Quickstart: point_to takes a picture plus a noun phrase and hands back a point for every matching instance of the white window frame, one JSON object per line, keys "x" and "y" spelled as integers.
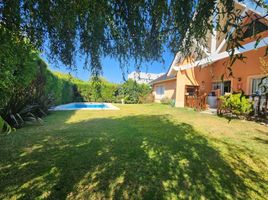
{"x": 251, "y": 82}
{"x": 221, "y": 84}
{"x": 162, "y": 91}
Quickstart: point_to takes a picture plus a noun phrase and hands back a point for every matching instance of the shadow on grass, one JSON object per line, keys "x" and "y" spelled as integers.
{"x": 248, "y": 165}
{"x": 261, "y": 140}
{"x": 134, "y": 157}
{"x": 262, "y": 132}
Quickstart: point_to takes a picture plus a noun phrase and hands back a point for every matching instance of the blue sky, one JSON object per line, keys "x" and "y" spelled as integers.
{"x": 111, "y": 67}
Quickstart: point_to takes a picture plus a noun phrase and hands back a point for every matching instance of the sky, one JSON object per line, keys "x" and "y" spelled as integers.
{"x": 111, "y": 67}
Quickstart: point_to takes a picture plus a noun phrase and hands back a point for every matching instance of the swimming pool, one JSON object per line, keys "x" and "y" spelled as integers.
{"x": 86, "y": 106}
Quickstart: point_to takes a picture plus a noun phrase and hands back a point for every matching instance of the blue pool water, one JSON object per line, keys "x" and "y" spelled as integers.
{"x": 83, "y": 105}
{"x": 86, "y": 106}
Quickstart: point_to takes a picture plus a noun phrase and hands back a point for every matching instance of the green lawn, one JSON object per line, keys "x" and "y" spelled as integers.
{"x": 138, "y": 152}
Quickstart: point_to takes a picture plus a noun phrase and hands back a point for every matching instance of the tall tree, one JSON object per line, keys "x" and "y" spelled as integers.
{"x": 123, "y": 29}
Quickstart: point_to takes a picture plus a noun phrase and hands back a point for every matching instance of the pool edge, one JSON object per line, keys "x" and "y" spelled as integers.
{"x": 110, "y": 106}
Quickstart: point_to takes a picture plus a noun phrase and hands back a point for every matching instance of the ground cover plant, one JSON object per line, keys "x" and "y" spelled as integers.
{"x": 236, "y": 104}
{"x": 139, "y": 152}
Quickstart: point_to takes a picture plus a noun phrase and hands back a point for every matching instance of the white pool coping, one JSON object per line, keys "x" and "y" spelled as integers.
{"x": 61, "y": 107}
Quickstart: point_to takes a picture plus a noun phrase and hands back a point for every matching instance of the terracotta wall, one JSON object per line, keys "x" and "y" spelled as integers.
{"x": 185, "y": 77}
{"x": 204, "y": 77}
{"x": 170, "y": 89}
{"x": 244, "y": 70}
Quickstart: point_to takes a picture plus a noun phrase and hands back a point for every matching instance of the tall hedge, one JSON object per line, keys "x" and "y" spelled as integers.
{"x": 28, "y": 88}
{"x": 60, "y": 87}
{"x": 18, "y": 65}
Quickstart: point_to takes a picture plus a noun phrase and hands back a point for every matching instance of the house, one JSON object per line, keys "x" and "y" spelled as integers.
{"x": 164, "y": 87}
{"x": 142, "y": 77}
{"x": 211, "y": 75}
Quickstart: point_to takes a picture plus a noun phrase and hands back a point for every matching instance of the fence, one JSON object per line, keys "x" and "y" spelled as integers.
{"x": 196, "y": 102}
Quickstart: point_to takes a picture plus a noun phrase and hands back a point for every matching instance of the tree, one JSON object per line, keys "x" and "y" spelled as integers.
{"x": 123, "y": 29}
{"x": 131, "y": 91}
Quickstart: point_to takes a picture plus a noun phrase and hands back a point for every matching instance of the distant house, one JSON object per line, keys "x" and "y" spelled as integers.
{"x": 142, "y": 77}
{"x": 188, "y": 78}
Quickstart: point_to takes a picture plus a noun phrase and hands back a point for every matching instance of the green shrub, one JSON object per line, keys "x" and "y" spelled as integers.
{"x": 131, "y": 91}
{"x": 237, "y": 104}
{"x": 18, "y": 66}
{"x": 60, "y": 87}
{"x": 109, "y": 92}
{"x": 4, "y": 126}
{"x": 166, "y": 100}
{"x": 82, "y": 91}
{"x": 28, "y": 88}
{"x": 26, "y": 100}
{"x": 148, "y": 98}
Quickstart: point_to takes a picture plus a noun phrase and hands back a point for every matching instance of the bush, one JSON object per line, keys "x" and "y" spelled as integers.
{"x": 28, "y": 88}
{"x": 4, "y": 126}
{"x": 109, "y": 92}
{"x": 167, "y": 101}
{"x": 27, "y": 100}
{"x": 149, "y": 98}
{"x": 237, "y": 104}
{"x": 131, "y": 91}
{"x": 82, "y": 91}
{"x": 18, "y": 65}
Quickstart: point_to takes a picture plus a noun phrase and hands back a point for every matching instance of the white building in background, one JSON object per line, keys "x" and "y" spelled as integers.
{"x": 142, "y": 77}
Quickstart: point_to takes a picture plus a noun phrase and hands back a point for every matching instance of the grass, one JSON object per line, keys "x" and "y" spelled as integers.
{"x": 139, "y": 152}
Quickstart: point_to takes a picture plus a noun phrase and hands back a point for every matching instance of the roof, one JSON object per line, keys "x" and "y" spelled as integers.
{"x": 216, "y": 43}
{"x": 174, "y": 62}
{"x": 162, "y": 78}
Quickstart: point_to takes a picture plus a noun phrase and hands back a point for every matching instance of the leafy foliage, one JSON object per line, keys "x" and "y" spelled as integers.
{"x": 22, "y": 81}
{"x": 132, "y": 92}
{"x": 26, "y": 101}
{"x": 109, "y": 91}
{"x": 237, "y": 104}
{"x": 148, "y": 98}
{"x": 59, "y": 86}
{"x": 4, "y": 126}
{"x": 41, "y": 89}
{"x": 17, "y": 66}
{"x": 23, "y": 98}
{"x": 28, "y": 88}
{"x": 168, "y": 101}
{"x": 121, "y": 29}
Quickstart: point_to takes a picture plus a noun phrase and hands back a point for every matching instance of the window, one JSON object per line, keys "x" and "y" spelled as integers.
{"x": 191, "y": 90}
{"x": 216, "y": 86}
{"x": 259, "y": 85}
{"x": 225, "y": 87}
{"x": 160, "y": 90}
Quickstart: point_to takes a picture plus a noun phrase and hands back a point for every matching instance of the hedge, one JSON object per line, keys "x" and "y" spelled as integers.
{"x": 29, "y": 88}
